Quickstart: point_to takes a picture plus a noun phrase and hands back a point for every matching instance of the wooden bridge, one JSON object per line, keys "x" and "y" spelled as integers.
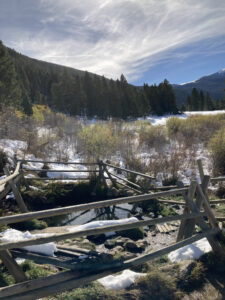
{"x": 197, "y": 211}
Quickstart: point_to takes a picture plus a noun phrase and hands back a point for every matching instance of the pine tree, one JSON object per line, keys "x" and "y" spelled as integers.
{"x": 10, "y": 91}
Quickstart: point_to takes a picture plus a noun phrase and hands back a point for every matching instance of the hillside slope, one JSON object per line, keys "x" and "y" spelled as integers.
{"x": 214, "y": 84}
{"x": 76, "y": 92}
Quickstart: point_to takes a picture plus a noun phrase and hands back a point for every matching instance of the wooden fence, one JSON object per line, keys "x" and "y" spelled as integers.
{"x": 197, "y": 211}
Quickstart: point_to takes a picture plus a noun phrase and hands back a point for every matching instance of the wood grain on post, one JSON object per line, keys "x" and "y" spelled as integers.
{"x": 215, "y": 244}
{"x": 207, "y": 207}
{"x": 16, "y": 192}
{"x": 12, "y": 176}
{"x": 7, "y": 187}
{"x": 110, "y": 177}
{"x": 12, "y": 266}
{"x": 200, "y": 168}
{"x": 191, "y": 223}
{"x": 126, "y": 180}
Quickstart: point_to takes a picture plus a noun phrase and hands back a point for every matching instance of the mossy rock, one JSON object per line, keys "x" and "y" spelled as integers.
{"x": 63, "y": 194}
{"x": 134, "y": 234}
{"x": 30, "y": 225}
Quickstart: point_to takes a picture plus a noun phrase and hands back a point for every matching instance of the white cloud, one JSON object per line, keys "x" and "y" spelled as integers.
{"x": 111, "y": 37}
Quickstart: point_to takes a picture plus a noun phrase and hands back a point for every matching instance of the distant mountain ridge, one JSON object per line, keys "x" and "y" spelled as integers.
{"x": 213, "y": 83}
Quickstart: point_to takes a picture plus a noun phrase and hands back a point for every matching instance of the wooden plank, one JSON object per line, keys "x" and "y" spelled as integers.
{"x": 53, "y": 179}
{"x": 2, "y": 187}
{"x": 129, "y": 171}
{"x": 16, "y": 192}
{"x": 64, "y": 171}
{"x": 37, "y": 283}
{"x": 221, "y": 219}
{"x": 167, "y": 227}
{"x": 217, "y": 179}
{"x": 207, "y": 207}
{"x": 57, "y": 162}
{"x": 12, "y": 266}
{"x": 160, "y": 229}
{"x": 41, "y": 259}
{"x": 181, "y": 230}
{"x": 191, "y": 223}
{"x": 87, "y": 206}
{"x": 110, "y": 177}
{"x": 129, "y": 187}
{"x": 125, "y": 180}
{"x": 200, "y": 168}
{"x": 77, "y": 249}
{"x": 7, "y": 188}
{"x": 12, "y": 176}
{"x": 216, "y": 246}
{"x": 72, "y": 283}
{"x": 93, "y": 231}
{"x": 171, "y": 202}
{"x": 102, "y": 176}
{"x": 219, "y": 201}
{"x": 164, "y": 188}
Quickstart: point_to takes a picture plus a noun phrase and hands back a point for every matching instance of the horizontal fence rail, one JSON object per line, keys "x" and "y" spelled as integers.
{"x": 59, "y": 178}
{"x": 12, "y": 176}
{"x": 55, "y": 171}
{"x": 87, "y": 206}
{"x": 68, "y": 280}
{"x": 128, "y": 171}
{"x": 94, "y": 231}
{"x": 57, "y": 162}
{"x": 218, "y": 179}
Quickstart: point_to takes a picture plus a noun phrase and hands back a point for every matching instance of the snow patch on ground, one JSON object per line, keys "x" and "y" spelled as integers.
{"x": 13, "y": 147}
{"x": 13, "y": 235}
{"x": 121, "y": 281}
{"x": 67, "y": 174}
{"x": 161, "y": 120}
{"x": 97, "y": 224}
{"x": 192, "y": 251}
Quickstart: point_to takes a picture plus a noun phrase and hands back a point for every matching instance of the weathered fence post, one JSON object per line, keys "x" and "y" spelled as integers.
{"x": 184, "y": 230}
{"x": 101, "y": 174}
{"x": 12, "y": 266}
{"x": 109, "y": 175}
{"x": 200, "y": 168}
{"x": 16, "y": 192}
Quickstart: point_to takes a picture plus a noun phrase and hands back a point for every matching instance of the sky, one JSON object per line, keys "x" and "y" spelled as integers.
{"x": 146, "y": 40}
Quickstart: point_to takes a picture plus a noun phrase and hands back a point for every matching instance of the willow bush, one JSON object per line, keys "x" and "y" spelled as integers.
{"x": 217, "y": 148}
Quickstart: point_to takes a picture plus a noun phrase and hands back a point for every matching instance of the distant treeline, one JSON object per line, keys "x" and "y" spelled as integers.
{"x": 25, "y": 81}
{"x": 198, "y": 101}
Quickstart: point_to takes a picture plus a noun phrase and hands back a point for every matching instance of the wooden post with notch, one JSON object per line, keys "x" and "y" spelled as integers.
{"x": 110, "y": 177}
{"x": 12, "y": 266}
{"x": 16, "y": 192}
{"x": 22, "y": 173}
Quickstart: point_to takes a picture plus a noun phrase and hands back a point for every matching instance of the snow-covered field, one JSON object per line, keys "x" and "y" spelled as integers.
{"x": 161, "y": 120}
{"x": 19, "y": 148}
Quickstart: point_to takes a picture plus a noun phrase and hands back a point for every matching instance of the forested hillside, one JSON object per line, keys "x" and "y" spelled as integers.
{"x": 25, "y": 81}
{"x": 213, "y": 84}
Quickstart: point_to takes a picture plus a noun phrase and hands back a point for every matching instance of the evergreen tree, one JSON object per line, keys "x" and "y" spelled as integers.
{"x": 10, "y": 91}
